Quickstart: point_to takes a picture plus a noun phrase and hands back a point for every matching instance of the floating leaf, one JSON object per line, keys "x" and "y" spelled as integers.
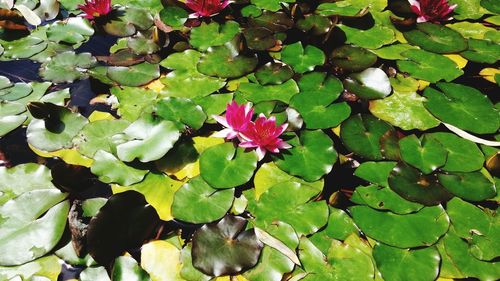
{"x": 174, "y": 16}
{"x": 257, "y": 93}
{"x": 371, "y": 83}
{"x": 225, "y": 62}
{"x": 427, "y": 155}
{"x": 72, "y": 31}
{"x": 482, "y": 51}
{"x": 181, "y": 111}
{"x": 213, "y": 255}
{"x": 67, "y": 67}
{"x": 470, "y": 186}
{"x": 126, "y": 268}
{"x": 234, "y": 161}
{"x": 213, "y": 34}
{"x": 302, "y": 59}
{"x": 133, "y": 76}
{"x": 383, "y": 198}
{"x": 111, "y": 170}
{"x": 161, "y": 260}
{"x": 212, "y": 203}
{"x": 436, "y": 38}
{"x": 429, "y": 66}
{"x": 290, "y": 202}
{"x": 372, "y": 38}
{"x": 402, "y": 231}
{"x": 310, "y": 158}
{"x": 352, "y": 58}
{"x": 273, "y": 74}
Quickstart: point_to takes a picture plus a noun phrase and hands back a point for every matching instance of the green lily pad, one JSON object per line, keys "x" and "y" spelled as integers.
{"x": 259, "y": 38}
{"x": 316, "y": 24}
{"x": 271, "y": 5}
{"x": 310, "y": 158}
{"x": 393, "y": 52}
{"x": 213, "y": 34}
{"x": 225, "y": 247}
{"x": 375, "y": 172}
{"x": 273, "y": 74}
{"x": 371, "y": 83}
{"x": 97, "y": 136}
{"x": 46, "y": 268}
{"x": 94, "y": 273}
{"x": 478, "y": 227}
{"x": 148, "y": 139}
{"x": 257, "y": 93}
{"x": 214, "y": 105}
{"x": 361, "y": 134}
{"x": 383, "y": 198}
{"x": 17, "y": 91}
{"x": 414, "y": 186}
{"x": 490, "y": 5}
{"x": 23, "y": 48}
{"x": 135, "y": 75}
{"x": 463, "y": 155}
{"x": 352, "y": 58}
{"x": 126, "y": 268}
{"x": 403, "y": 264}
{"x": 186, "y": 73}
{"x": 340, "y": 226}
{"x": 174, "y": 16}
{"x": 273, "y": 264}
{"x": 188, "y": 271}
{"x": 302, "y": 59}
{"x": 464, "y": 107}
{"x": 470, "y": 186}
{"x": 181, "y": 111}
{"x": 404, "y": 109}
{"x": 141, "y": 45}
{"x": 224, "y": 62}
{"x": 292, "y": 203}
{"x": 460, "y": 260}
{"x": 429, "y": 66}
{"x": 425, "y": 154}
{"x": 436, "y": 38}
{"x": 482, "y": 51}
{"x": 372, "y": 38}
{"x": 274, "y": 21}
{"x": 345, "y": 8}
{"x": 467, "y": 9}
{"x": 123, "y": 223}
{"x": 133, "y": 101}
{"x": 221, "y": 160}
{"x": 111, "y": 170}
{"x": 402, "y": 231}
{"x": 56, "y": 130}
{"x": 67, "y": 67}
{"x": 126, "y": 21}
{"x": 212, "y": 203}
{"x": 72, "y": 31}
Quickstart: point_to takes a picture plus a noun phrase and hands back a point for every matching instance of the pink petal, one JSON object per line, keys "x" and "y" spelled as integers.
{"x": 261, "y": 152}
{"x": 284, "y": 145}
{"x": 221, "y": 120}
{"x": 248, "y": 144}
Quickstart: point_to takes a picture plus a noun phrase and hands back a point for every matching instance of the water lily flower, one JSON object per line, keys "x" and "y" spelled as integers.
{"x": 432, "y": 10}
{"x": 206, "y": 8}
{"x": 238, "y": 118}
{"x": 95, "y": 8}
{"x": 264, "y": 136}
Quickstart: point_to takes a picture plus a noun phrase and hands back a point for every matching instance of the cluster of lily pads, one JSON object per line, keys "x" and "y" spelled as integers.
{"x": 387, "y": 169}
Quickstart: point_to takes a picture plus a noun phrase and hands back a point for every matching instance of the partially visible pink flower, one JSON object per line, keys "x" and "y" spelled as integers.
{"x": 432, "y": 10}
{"x": 264, "y": 136}
{"x": 238, "y": 118}
{"x": 95, "y": 8}
{"x": 206, "y": 8}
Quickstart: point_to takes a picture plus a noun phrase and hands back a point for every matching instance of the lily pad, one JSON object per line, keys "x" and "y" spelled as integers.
{"x": 345, "y": 8}
{"x": 472, "y": 186}
{"x": 414, "y": 186}
{"x": 125, "y": 21}
{"x": 292, "y": 203}
{"x": 186, "y": 73}
{"x": 352, "y": 58}
{"x": 173, "y": 16}
{"x": 310, "y": 158}
{"x": 259, "y": 38}
{"x": 72, "y": 31}
{"x": 436, "y": 38}
{"x": 212, "y": 203}
{"x": 427, "y": 155}
{"x": 403, "y": 264}
{"x": 67, "y": 67}
{"x": 111, "y": 170}
{"x": 181, "y": 111}
{"x": 221, "y": 160}
{"x": 429, "y": 66}
{"x": 271, "y": 5}
{"x": 273, "y": 74}
{"x": 402, "y": 231}
{"x": 213, "y": 34}
{"x": 97, "y": 136}
{"x": 56, "y": 127}
{"x": 126, "y": 268}
{"x": 464, "y": 107}
{"x": 133, "y": 76}
{"x": 257, "y": 93}
{"x": 302, "y": 59}
{"x": 482, "y": 51}
{"x": 224, "y": 247}
{"x": 383, "y": 198}
{"x": 371, "y": 83}
{"x": 224, "y": 62}
{"x": 361, "y": 134}
{"x": 375, "y": 172}
{"x": 148, "y": 139}
{"x": 372, "y": 38}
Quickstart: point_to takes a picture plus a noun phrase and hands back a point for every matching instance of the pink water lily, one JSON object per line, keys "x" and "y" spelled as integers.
{"x": 95, "y": 8}
{"x": 238, "y": 118}
{"x": 432, "y": 10}
{"x": 264, "y": 136}
{"x": 206, "y": 8}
